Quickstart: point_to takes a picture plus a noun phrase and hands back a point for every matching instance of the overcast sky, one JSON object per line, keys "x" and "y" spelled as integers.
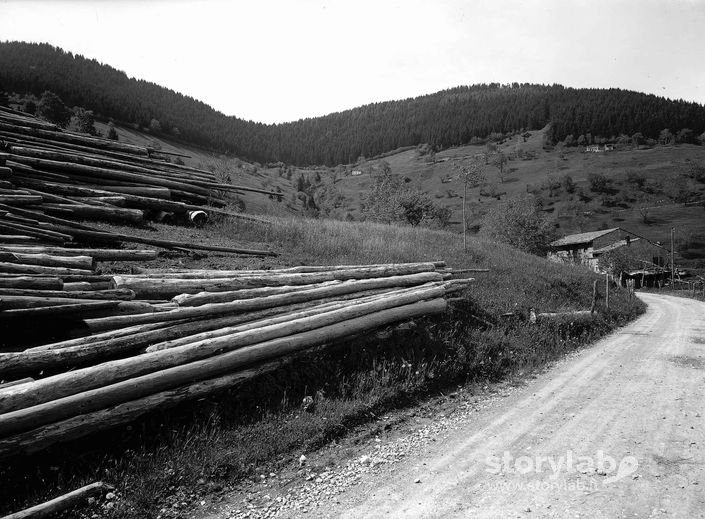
{"x": 281, "y": 60}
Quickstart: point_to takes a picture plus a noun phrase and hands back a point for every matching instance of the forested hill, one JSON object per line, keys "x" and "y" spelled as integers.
{"x": 446, "y": 118}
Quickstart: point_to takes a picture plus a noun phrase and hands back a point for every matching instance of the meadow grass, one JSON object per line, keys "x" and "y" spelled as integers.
{"x": 173, "y": 457}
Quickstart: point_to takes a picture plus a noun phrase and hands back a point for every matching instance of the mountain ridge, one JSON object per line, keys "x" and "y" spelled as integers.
{"x": 450, "y": 117}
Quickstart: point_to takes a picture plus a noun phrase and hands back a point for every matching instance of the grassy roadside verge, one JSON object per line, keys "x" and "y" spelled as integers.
{"x": 172, "y": 458}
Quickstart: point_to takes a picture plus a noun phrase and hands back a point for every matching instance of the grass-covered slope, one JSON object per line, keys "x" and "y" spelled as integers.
{"x": 179, "y": 455}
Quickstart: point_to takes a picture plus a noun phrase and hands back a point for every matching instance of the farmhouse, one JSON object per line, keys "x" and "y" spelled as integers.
{"x": 588, "y": 247}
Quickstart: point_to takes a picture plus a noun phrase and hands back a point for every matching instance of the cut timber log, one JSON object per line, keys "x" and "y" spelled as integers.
{"x": 117, "y": 343}
{"x": 68, "y": 168}
{"x": 304, "y": 269}
{"x": 577, "y": 314}
{"x": 73, "y": 309}
{"x": 25, "y": 419}
{"x": 165, "y": 288}
{"x": 110, "y": 214}
{"x": 93, "y": 142}
{"x": 82, "y": 425}
{"x": 335, "y": 287}
{"x": 17, "y": 239}
{"x": 131, "y": 200}
{"x": 46, "y": 260}
{"x": 65, "y": 384}
{"x": 122, "y": 294}
{"x": 244, "y": 305}
{"x": 21, "y": 268}
{"x": 117, "y": 237}
{"x": 96, "y": 254}
{"x": 29, "y": 282}
{"x": 20, "y": 199}
{"x": 61, "y": 503}
{"x": 36, "y": 232}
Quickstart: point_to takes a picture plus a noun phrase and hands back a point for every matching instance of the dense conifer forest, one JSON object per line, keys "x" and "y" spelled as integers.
{"x": 450, "y": 117}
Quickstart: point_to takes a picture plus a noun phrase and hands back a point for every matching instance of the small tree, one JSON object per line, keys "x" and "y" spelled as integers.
{"x": 155, "y": 126}
{"x": 52, "y": 108}
{"x": 499, "y": 160}
{"x": 599, "y": 183}
{"x": 83, "y": 121}
{"x": 665, "y": 137}
{"x": 112, "y": 132}
{"x": 472, "y": 174}
{"x": 519, "y": 223}
{"x": 568, "y": 183}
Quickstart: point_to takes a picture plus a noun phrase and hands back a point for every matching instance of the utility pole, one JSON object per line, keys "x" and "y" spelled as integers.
{"x": 673, "y": 268}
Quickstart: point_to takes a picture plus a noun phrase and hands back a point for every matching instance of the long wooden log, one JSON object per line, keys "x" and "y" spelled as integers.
{"x": 52, "y": 198}
{"x": 12, "y": 302}
{"x": 104, "y": 162}
{"x": 215, "y": 309}
{"x": 202, "y": 298}
{"x": 167, "y": 244}
{"x": 93, "y": 142}
{"x": 17, "y": 239}
{"x": 147, "y": 192}
{"x": 74, "y": 309}
{"x": 39, "y": 142}
{"x": 82, "y": 425}
{"x": 202, "y": 346}
{"x": 78, "y": 286}
{"x": 166, "y": 288}
{"x": 46, "y": 260}
{"x": 30, "y": 282}
{"x": 16, "y": 382}
{"x": 20, "y": 199}
{"x": 95, "y": 212}
{"x": 116, "y": 343}
{"x": 107, "y": 339}
{"x": 61, "y": 503}
{"x": 44, "y": 221}
{"x": 25, "y": 419}
{"x": 122, "y": 294}
{"x": 303, "y": 269}
{"x": 337, "y": 288}
{"x": 69, "y": 168}
{"x": 20, "y": 268}
{"x": 251, "y": 320}
{"x": 117, "y": 201}
{"x": 130, "y": 199}
{"x": 96, "y": 254}
{"x": 36, "y": 232}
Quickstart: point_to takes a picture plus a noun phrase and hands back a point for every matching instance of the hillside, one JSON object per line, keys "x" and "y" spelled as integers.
{"x": 448, "y": 118}
{"x": 650, "y": 188}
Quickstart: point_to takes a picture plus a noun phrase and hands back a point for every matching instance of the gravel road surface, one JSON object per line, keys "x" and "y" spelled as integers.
{"x": 616, "y": 430}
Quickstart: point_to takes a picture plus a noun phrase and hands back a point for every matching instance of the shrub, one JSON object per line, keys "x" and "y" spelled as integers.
{"x": 599, "y": 183}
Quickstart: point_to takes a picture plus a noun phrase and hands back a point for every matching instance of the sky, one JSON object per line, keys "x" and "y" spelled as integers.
{"x": 282, "y": 60}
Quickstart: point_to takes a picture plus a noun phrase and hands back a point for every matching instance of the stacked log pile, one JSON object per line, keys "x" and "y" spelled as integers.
{"x": 50, "y": 178}
{"x": 188, "y": 333}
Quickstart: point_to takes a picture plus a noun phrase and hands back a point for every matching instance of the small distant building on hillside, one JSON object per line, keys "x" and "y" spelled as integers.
{"x": 596, "y": 148}
{"x": 356, "y": 172}
{"x": 586, "y": 249}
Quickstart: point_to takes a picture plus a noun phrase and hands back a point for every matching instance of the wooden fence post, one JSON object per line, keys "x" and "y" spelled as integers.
{"x": 594, "y": 297}
{"x": 607, "y": 291}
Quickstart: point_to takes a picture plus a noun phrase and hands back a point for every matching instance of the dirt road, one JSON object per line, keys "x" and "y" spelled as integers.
{"x": 617, "y": 430}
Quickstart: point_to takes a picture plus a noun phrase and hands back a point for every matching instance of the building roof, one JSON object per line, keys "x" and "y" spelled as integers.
{"x": 613, "y": 246}
{"x": 583, "y": 237}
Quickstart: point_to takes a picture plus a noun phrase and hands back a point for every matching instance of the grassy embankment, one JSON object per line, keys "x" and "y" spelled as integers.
{"x": 161, "y": 459}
